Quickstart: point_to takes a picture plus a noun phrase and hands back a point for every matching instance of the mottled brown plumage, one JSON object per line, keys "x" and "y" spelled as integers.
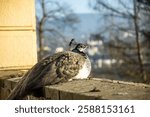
{"x": 52, "y": 70}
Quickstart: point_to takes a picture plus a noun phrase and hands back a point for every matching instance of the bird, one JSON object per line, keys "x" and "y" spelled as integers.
{"x": 58, "y": 68}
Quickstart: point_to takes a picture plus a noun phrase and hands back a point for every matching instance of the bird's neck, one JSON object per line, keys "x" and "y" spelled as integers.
{"x": 79, "y": 52}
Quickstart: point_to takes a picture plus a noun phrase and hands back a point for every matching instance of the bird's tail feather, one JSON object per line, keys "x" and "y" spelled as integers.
{"x": 16, "y": 93}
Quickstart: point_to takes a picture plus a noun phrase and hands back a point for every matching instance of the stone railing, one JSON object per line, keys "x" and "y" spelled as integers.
{"x": 93, "y": 89}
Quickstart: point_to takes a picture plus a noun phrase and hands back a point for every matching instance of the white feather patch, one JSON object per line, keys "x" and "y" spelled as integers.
{"x": 85, "y": 71}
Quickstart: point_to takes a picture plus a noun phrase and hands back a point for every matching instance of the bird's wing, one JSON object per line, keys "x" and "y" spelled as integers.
{"x": 58, "y": 68}
{"x": 64, "y": 67}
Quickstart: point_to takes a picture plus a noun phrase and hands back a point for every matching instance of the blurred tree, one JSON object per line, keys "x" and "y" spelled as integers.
{"x": 124, "y": 21}
{"x": 144, "y": 7}
{"x": 52, "y": 19}
{"x": 145, "y": 2}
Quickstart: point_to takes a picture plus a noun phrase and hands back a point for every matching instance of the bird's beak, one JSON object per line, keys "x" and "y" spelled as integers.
{"x": 87, "y": 46}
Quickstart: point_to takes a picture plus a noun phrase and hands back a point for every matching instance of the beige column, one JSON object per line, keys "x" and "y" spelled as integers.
{"x": 17, "y": 34}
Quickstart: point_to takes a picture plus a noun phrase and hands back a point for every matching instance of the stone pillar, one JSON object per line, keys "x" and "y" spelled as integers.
{"x": 17, "y": 34}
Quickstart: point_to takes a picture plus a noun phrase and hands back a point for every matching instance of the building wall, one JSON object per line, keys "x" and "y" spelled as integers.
{"x": 17, "y": 34}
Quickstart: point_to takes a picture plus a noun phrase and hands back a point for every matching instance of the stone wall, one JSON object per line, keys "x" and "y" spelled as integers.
{"x": 93, "y": 89}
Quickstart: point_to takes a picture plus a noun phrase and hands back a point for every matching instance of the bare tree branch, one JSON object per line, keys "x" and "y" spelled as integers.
{"x": 131, "y": 21}
{"x": 53, "y": 19}
{"x": 109, "y": 7}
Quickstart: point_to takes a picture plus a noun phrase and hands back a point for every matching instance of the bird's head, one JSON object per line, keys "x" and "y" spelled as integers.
{"x": 78, "y": 47}
{"x": 81, "y": 47}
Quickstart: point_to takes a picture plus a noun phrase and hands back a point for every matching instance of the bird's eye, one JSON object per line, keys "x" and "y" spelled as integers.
{"x": 83, "y": 46}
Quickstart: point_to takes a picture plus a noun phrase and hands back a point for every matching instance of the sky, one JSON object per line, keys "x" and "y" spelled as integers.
{"x": 79, "y": 6}
{"x": 82, "y": 6}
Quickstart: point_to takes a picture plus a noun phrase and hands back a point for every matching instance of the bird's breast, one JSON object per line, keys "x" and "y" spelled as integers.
{"x": 84, "y": 72}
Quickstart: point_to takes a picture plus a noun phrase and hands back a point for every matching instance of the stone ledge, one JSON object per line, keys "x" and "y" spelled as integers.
{"x": 92, "y": 89}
